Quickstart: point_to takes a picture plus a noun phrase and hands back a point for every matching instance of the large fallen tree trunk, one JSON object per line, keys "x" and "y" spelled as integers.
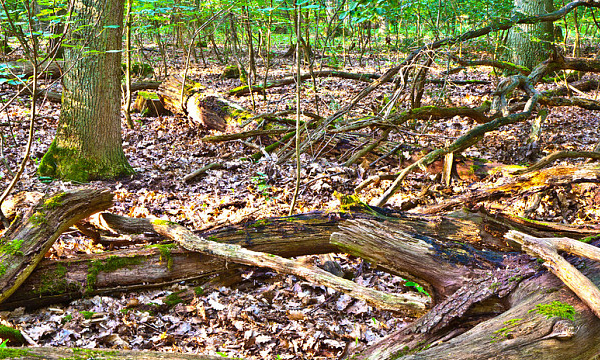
{"x": 497, "y": 303}
{"x": 55, "y": 281}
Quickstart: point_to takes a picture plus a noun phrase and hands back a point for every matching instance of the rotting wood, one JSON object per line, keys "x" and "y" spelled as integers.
{"x": 209, "y": 110}
{"x": 408, "y": 303}
{"x": 547, "y": 250}
{"x": 60, "y": 353}
{"x": 25, "y": 244}
{"x": 149, "y": 267}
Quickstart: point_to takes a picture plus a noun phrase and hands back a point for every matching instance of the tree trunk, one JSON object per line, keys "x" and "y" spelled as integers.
{"x": 530, "y": 44}
{"x": 88, "y": 145}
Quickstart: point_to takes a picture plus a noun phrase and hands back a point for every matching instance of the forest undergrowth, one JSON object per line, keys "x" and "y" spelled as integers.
{"x": 256, "y": 313}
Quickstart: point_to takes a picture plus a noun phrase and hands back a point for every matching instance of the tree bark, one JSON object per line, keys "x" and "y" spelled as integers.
{"x": 530, "y": 44}
{"x": 88, "y": 145}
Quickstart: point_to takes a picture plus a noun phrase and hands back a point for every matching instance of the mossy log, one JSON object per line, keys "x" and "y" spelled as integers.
{"x": 25, "y": 243}
{"x": 55, "y": 281}
{"x": 57, "y": 353}
{"x": 210, "y": 111}
{"x": 149, "y": 104}
{"x": 412, "y": 303}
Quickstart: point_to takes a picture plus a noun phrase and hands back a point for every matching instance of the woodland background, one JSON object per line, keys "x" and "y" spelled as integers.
{"x": 181, "y": 178}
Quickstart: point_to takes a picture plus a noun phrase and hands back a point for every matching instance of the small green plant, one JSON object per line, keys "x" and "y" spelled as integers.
{"x": 417, "y": 287}
{"x": 87, "y": 314}
{"x": 260, "y": 181}
{"x": 66, "y": 319}
{"x": 555, "y": 308}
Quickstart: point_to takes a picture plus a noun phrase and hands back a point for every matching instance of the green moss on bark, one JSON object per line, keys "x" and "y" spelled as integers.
{"x": 70, "y": 164}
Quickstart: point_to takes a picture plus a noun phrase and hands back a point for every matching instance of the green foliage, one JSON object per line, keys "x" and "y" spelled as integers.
{"x": 417, "y": 287}
{"x": 87, "y": 314}
{"x": 165, "y": 252}
{"x": 555, "y": 308}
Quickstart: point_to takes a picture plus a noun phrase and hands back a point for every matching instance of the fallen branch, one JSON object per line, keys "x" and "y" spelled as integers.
{"x": 528, "y": 183}
{"x": 549, "y": 159}
{"x": 547, "y": 250}
{"x": 202, "y": 171}
{"x": 411, "y": 303}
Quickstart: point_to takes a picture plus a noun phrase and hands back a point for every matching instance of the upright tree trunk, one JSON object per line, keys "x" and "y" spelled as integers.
{"x": 88, "y": 139}
{"x": 530, "y": 44}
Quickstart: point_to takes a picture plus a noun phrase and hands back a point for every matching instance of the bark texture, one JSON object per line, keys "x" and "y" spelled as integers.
{"x": 530, "y": 44}
{"x": 88, "y": 145}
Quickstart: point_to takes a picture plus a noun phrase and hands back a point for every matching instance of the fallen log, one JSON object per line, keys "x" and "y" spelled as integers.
{"x": 26, "y": 242}
{"x": 500, "y": 302}
{"x": 55, "y": 281}
{"x": 412, "y": 303}
{"x": 57, "y": 353}
{"x": 210, "y": 111}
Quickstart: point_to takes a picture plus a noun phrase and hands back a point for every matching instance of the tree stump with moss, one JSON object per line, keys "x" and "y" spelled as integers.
{"x": 231, "y": 72}
{"x": 149, "y": 104}
{"x": 209, "y": 111}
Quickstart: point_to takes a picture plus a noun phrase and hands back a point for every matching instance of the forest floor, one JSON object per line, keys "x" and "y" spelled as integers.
{"x": 260, "y": 314}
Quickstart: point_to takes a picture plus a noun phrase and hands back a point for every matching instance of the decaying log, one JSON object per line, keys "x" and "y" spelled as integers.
{"x": 210, "y": 111}
{"x": 410, "y": 302}
{"x": 547, "y": 250}
{"x": 57, "y": 353}
{"x": 25, "y": 243}
{"x": 527, "y": 183}
{"x": 55, "y": 281}
{"x": 502, "y": 310}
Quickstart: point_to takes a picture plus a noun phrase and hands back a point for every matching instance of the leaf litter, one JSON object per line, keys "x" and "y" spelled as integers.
{"x": 262, "y": 314}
